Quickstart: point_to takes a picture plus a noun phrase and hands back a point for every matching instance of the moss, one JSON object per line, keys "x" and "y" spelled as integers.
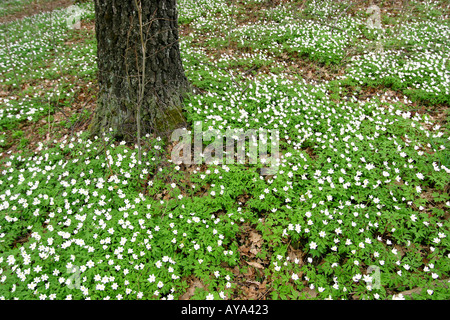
{"x": 119, "y": 114}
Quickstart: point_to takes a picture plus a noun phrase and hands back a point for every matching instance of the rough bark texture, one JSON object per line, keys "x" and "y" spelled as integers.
{"x": 120, "y": 60}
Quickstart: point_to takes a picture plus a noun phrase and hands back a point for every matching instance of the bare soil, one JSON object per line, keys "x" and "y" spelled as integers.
{"x": 36, "y": 7}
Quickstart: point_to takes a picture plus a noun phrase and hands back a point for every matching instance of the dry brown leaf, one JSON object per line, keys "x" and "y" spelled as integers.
{"x": 196, "y": 283}
{"x": 310, "y": 293}
{"x": 295, "y": 254}
{"x": 255, "y": 264}
{"x": 251, "y": 293}
{"x": 244, "y": 250}
{"x": 236, "y": 270}
{"x": 250, "y": 274}
{"x": 255, "y": 238}
{"x": 263, "y": 285}
{"x": 254, "y": 250}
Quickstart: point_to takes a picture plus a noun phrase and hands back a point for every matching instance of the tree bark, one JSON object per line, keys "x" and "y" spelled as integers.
{"x": 140, "y": 67}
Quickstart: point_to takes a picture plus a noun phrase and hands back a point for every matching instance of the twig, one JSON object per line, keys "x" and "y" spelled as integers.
{"x": 142, "y": 81}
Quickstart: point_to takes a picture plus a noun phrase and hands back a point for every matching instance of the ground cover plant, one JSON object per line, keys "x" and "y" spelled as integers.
{"x": 358, "y": 208}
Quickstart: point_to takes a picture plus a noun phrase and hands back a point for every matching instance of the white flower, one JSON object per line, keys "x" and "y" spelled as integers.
{"x": 100, "y": 287}
{"x": 152, "y": 278}
{"x": 11, "y": 260}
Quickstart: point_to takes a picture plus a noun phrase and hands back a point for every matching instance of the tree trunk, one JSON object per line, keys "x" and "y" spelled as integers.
{"x": 141, "y": 76}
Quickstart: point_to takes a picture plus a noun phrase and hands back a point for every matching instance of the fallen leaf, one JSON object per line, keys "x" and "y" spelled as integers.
{"x": 254, "y": 250}
{"x": 196, "y": 283}
{"x": 295, "y": 254}
{"x": 310, "y": 293}
{"x": 255, "y": 238}
{"x": 251, "y": 293}
{"x": 255, "y": 264}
